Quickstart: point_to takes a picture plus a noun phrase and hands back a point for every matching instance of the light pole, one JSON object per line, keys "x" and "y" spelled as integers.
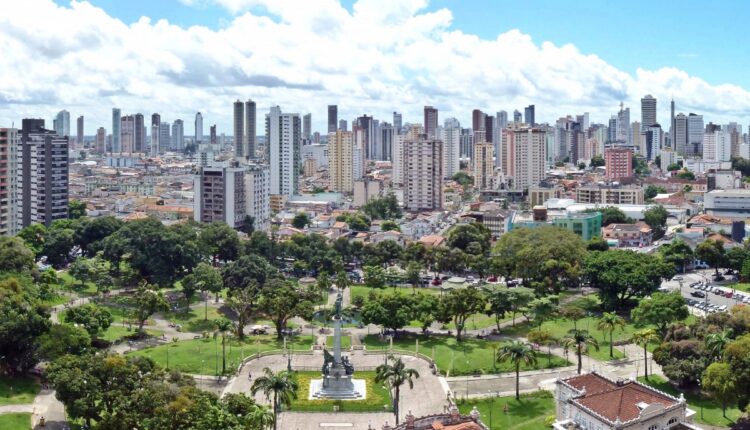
{"x": 700, "y": 388}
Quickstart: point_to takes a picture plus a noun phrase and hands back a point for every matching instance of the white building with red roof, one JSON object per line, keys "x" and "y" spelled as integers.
{"x": 594, "y": 402}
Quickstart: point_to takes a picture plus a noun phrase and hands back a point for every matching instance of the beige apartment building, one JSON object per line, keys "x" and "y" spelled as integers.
{"x": 340, "y": 161}
{"x": 423, "y": 173}
{"x": 610, "y": 194}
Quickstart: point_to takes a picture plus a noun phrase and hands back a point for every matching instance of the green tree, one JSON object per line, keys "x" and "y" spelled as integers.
{"x": 391, "y": 310}
{"x": 58, "y": 244}
{"x": 148, "y": 301}
{"x": 719, "y": 380}
{"x": 612, "y": 215}
{"x": 660, "y": 310}
{"x": 652, "y": 190}
{"x": 374, "y": 276}
{"x": 596, "y": 161}
{"x": 579, "y": 340}
{"x": 543, "y": 337}
{"x": 735, "y": 257}
{"x": 389, "y": 225}
{"x": 621, "y": 275}
{"x": 597, "y": 244}
{"x": 94, "y": 319}
{"x": 395, "y": 376}
{"x": 573, "y": 314}
{"x": 223, "y": 326}
{"x": 63, "y": 339}
{"x": 300, "y": 220}
{"x": 518, "y": 299}
{"x": 424, "y": 309}
{"x": 205, "y": 279}
{"x": 246, "y": 269}
{"x": 716, "y": 342}
{"x": 463, "y": 179}
{"x": 383, "y": 208}
{"x": 678, "y": 253}
{"x": 15, "y": 256}
{"x": 280, "y": 302}
{"x": 609, "y": 322}
{"x": 461, "y": 236}
{"x": 656, "y": 218}
{"x": 33, "y": 236}
{"x": 76, "y": 209}
{"x": 91, "y": 232}
{"x": 24, "y": 321}
{"x": 685, "y": 174}
{"x": 517, "y": 352}
{"x": 413, "y": 273}
{"x": 279, "y": 388}
{"x": 459, "y": 305}
{"x": 243, "y": 302}
{"x": 644, "y": 338}
{"x": 219, "y": 242}
{"x": 542, "y": 309}
{"x": 673, "y": 167}
{"x": 711, "y": 252}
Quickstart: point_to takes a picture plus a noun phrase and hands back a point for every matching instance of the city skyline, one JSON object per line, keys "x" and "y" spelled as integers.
{"x": 398, "y": 57}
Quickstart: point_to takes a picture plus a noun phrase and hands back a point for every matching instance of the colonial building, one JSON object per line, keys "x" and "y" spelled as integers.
{"x": 628, "y": 235}
{"x": 594, "y": 402}
{"x": 451, "y": 420}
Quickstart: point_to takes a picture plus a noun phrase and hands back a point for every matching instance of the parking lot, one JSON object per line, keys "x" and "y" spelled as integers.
{"x": 705, "y": 295}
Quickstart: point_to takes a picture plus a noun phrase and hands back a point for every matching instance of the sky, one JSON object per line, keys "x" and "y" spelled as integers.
{"x": 178, "y": 57}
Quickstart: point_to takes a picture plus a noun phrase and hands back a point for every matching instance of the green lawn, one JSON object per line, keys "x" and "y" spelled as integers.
{"x": 204, "y": 357}
{"x": 711, "y": 409}
{"x": 740, "y": 286}
{"x": 194, "y": 320}
{"x": 15, "y": 421}
{"x": 346, "y": 342}
{"x": 72, "y": 284}
{"x": 468, "y": 357}
{"x": 17, "y": 390}
{"x": 117, "y": 331}
{"x": 377, "y": 399}
{"x": 529, "y": 413}
{"x": 56, "y": 300}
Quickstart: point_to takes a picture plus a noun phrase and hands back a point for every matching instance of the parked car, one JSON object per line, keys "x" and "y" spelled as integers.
{"x": 698, "y": 294}
{"x": 728, "y": 294}
{"x": 436, "y": 282}
{"x": 492, "y": 279}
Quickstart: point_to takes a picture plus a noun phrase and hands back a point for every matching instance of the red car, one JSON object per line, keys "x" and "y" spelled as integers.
{"x": 436, "y": 282}
{"x": 728, "y": 294}
{"x": 492, "y": 279}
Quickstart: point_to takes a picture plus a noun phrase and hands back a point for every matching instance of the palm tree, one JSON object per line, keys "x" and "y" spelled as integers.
{"x": 644, "y": 338}
{"x": 715, "y": 343}
{"x": 580, "y": 340}
{"x": 396, "y": 375}
{"x": 517, "y": 352}
{"x": 608, "y": 323}
{"x": 283, "y": 386}
{"x": 260, "y": 418}
{"x": 223, "y": 326}
{"x": 543, "y": 337}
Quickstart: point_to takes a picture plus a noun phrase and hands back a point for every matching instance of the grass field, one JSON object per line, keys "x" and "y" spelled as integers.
{"x": 711, "y": 408}
{"x": 468, "y": 357}
{"x": 15, "y": 421}
{"x": 72, "y": 284}
{"x": 204, "y": 356}
{"x": 346, "y": 342}
{"x": 17, "y": 390}
{"x": 528, "y": 413}
{"x": 377, "y": 399}
{"x": 117, "y": 331}
{"x": 741, "y": 286}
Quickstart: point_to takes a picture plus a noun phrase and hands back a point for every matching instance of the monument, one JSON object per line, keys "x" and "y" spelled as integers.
{"x": 338, "y": 381}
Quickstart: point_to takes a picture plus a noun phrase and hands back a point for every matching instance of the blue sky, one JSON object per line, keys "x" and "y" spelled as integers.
{"x": 708, "y": 40}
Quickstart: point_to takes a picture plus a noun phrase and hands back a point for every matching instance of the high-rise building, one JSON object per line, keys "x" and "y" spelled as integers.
{"x": 502, "y": 119}
{"x": 116, "y": 122}
{"x": 283, "y": 133}
{"x": 340, "y": 161}
{"x": 451, "y": 136}
{"x": 212, "y": 131}
{"x": 101, "y": 140}
{"x": 397, "y": 122}
{"x": 139, "y": 133}
{"x": 386, "y": 133}
{"x": 41, "y": 175}
{"x": 680, "y": 136}
{"x": 61, "y": 124}
{"x": 258, "y": 200}
{"x": 431, "y": 121}
{"x": 483, "y": 166}
{"x": 517, "y": 117}
{"x": 251, "y": 135}
{"x": 695, "y": 131}
{"x": 155, "y": 133}
{"x": 648, "y": 112}
{"x": 9, "y": 144}
{"x": 127, "y": 134}
{"x": 525, "y": 159}
{"x": 528, "y": 114}
{"x": 672, "y": 128}
{"x": 333, "y": 118}
{"x": 178, "y": 135}
{"x": 654, "y": 141}
{"x": 477, "y": 120}
{"x": 423, "y": 173}
{"x": 198, "y": 127}
{"x": 165, "y": 137}
{"x": 489, "y": 127}
{"x": 368, "y": 125}
{"x": 79, "y": 132}
{"x": 306, "y": 127}
{"x": 624, "y": 131}
{"x": 467, "y": 144}
{"x": 342, "y": 125}
{"x": 239, "y": 129}
{"x": 618, "y": 162}
{"x": 220, "y": 195}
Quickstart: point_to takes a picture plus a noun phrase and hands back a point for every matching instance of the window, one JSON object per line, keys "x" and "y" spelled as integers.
{"x": 672, "y": 420}
{"x": 653, "y": 427}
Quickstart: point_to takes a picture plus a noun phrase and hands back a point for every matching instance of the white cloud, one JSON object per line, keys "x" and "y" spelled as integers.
{"x": 302, "y": 55}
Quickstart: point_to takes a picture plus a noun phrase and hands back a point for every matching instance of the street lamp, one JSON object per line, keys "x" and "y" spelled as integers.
{"x": 492, "y": 405}
{"x": 701, "y": 395}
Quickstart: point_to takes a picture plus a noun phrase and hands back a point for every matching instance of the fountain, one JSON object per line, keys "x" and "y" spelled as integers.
{"x": 338, "y": 381}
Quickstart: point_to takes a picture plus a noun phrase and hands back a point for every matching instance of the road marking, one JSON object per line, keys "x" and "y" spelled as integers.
{"x": 336, "y": 424}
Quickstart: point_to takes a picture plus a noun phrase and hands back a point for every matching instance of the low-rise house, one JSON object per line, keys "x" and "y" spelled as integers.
{"x": 387, "y": 235}
{"x": 594, "y": 402}
{"x": 635, "y": 235}
{"x": 432, "y": 241}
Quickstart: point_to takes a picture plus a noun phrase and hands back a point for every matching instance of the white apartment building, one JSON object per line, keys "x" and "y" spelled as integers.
{"x": 397, "y": 177}
{"x": 258, "y": 195}
{"x": 423, "y": 173}
{"x": 340, "y": 161}
{"x": 483, "y": 167}
{"x": 9, "y": 143}
{"x": 41, "y": 175}
{"x": 451, "y": 136}
{"x": 283, "y": 135}
{"x": 717, "y": 146}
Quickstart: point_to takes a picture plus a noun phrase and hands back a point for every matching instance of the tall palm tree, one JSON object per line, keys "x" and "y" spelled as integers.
{"x": 517, "y": 352}
{"x": 223, "y": 326}
{"x": 282, "y": 386}
{"x": 580, "y": 340}
{"x": 395, "y": 376}
{"x": 644, "y": 338}
{"x": 260, "y": 418}
{"x": 608, "y": 323}
{"x": 715, "y": 343}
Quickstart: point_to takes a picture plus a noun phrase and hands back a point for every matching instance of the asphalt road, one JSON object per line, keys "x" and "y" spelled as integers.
{"x": 706, "y": 277}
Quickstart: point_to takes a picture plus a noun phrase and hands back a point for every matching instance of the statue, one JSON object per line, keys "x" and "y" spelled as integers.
{"x": 327, "y": 361}
{"x": 339, "y": 302}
